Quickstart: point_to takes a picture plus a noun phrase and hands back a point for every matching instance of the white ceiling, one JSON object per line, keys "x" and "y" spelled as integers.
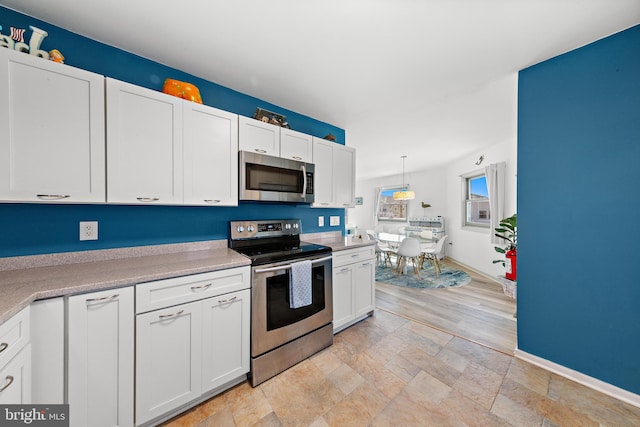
{"x": 430, "y": 79}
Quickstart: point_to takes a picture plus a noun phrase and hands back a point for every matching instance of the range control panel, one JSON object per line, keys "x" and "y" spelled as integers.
{"x": 266, "y": 228}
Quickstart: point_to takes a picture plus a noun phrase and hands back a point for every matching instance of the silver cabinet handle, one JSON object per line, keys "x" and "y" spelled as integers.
{"x": 9, "y": 380}
{"x": 224, "y": 301}
{"x": 170, "y": 316}
{"x": 198, "y": 288}
{"x": 344, "y": 270}
{"x": 296, "y": 157}
{"x": 3, "y": 346}
{"x": 355, "y": 256}
{"x": 259, "y": 150}
{"x": 212, "y": 201}
{"x": 147, "y": 199}
{"x": 103, "y": 299}
{"x": 52, "y": 196}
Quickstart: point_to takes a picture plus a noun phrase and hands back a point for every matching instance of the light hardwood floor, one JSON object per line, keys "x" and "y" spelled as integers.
{"x": 478, "y": 312}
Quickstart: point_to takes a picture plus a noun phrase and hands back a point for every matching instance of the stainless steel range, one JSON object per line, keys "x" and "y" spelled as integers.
{"x": 284, "y": 329}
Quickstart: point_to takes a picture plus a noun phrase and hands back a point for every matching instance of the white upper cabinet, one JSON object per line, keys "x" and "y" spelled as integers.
{"x": 334, "y": 178}
{"x": 51, "y": 131}
{"x": 344, "y": 175}
{"x": 144, "y": 145}
{"x": 259, "y": 137}
{"x": 296, "y": 145}
{"x": 210, "y": 156}
{"x": 323, "y": 179}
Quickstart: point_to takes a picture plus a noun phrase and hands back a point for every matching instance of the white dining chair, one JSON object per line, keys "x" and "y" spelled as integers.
{"x": 409, "y": 250}
{"x": 431, "y": 254}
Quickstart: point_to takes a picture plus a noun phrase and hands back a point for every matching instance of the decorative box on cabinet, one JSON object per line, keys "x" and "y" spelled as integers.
{"x": 353, "y": 286}
{"x": 15, "y": 360}
{"x": 100, "y": 358}
{"x": 52, "y": 143}
{"x": 194, "y": 329}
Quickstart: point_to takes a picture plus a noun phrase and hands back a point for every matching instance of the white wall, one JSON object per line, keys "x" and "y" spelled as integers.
{"x": 442, "y": 188}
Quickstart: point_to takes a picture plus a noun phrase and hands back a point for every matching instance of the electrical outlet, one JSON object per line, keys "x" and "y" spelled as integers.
{"x": 321, "y": 221}
{"x": 334, "y": 220}
{"x": 88, "y": 230}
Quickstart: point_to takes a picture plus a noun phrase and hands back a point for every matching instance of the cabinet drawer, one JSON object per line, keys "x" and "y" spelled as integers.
{"x": 14, "y": 335}
{"x": 353, "y": 255}
{"x": 15, "y": 379}
{"x": 165, "y": 293}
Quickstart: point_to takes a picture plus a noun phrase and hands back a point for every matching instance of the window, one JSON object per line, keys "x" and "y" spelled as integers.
{"x": 477, "y": 211}
{"x": 390, "y": 209}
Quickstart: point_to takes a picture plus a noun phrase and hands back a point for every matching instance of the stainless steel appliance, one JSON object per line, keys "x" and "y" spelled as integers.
{"x": 282, "y": 336}
{"x": 274, "y": 179}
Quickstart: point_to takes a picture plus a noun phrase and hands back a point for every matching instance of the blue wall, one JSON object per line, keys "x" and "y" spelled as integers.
{"x": 578, "y": 204}
{"x": 27, "y": 229}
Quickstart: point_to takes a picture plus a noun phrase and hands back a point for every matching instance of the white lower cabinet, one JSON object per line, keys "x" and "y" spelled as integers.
{"x": 353, "y": 286}
{"x": 47, "y": 351}
{"x": 15, "y": 359}
{"x": 168, "y": 359}
{"x": 100, "y": 358}
{"x": 188, "y": 350}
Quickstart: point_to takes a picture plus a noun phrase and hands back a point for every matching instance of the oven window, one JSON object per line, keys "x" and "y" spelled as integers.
{"x": 279, "y": 314}
{"x": 269, "y": 178}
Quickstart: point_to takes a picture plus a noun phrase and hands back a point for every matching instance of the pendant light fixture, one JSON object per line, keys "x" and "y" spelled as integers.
{"x": 404, "y": 193}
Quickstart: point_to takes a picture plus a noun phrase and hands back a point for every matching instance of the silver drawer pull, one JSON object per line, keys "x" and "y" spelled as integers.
{"x": 170, "y": 316}
{"x": 355, "y": 256}
{"x": 3, "y": 346}
{"x": 344, "y": 270}
{"x": 224, "y": 301}
{"x": 259, "y": 150}
{"x": 9, "y": 380}
{"x": 103, "y": 299}
{"x": 198, "y": 288}
{"x": 296, "y": 158}
{"x": 52, "y": 196}
{"x": 147, "y": 199}
{"x": 212, "y": 201}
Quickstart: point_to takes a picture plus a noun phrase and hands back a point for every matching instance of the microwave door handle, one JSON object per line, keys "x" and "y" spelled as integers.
{"x": 304, "y": 182}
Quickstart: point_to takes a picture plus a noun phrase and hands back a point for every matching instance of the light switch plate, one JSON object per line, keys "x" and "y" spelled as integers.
{"x": 334, "y": 220}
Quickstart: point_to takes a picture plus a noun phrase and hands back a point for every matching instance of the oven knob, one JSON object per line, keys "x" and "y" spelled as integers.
{"x": 239, "y": 229}
{"x": 295, "y": 225}
{"x": 250, "y": 228}
{"x": 287, "y": 226}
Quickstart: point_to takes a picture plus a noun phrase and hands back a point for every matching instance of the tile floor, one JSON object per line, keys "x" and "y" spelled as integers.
{"x": 390, "y": 371}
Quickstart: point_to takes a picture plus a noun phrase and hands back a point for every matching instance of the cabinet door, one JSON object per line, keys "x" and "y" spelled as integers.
{"x": 342, "y": 296}
{"x": 47, "y": 351}
{"x": 100, "y": 358}
{"x": 364, "y": 287}
{"x": 296, "y": 145}
{"x": 225, "y": 334}
{"x": 15, "y": 379}
{"x": 51, "y": 131}
{"x": 344, "y": 167}
{"x": 258, "y": 137}
{"x": 210, "y": 156}
{"x": 168, "y": 359}
{"x": 323, "y": 178}
{"x": 144, "y": 145}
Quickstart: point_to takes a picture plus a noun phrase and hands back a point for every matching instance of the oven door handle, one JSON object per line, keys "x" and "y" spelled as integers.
{"x": 287, "y": 267}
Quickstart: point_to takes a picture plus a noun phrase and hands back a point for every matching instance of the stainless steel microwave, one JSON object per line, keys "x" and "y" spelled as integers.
{"x": 274, "y": 179}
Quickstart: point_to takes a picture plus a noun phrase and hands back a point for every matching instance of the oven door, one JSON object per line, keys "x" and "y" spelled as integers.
{"x": 273, "y": 322}
{"x": 274, "y": 179}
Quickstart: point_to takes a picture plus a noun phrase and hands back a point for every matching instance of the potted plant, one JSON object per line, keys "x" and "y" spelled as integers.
{"x": 508, "y": 230}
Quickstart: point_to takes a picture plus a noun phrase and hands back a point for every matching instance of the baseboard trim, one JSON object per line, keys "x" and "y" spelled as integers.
{"x": 580, "y": 378}
{"x": 475, "y": 270}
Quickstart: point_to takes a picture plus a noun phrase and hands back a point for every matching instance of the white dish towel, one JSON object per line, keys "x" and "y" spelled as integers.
{"x": 300, "y": 284}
